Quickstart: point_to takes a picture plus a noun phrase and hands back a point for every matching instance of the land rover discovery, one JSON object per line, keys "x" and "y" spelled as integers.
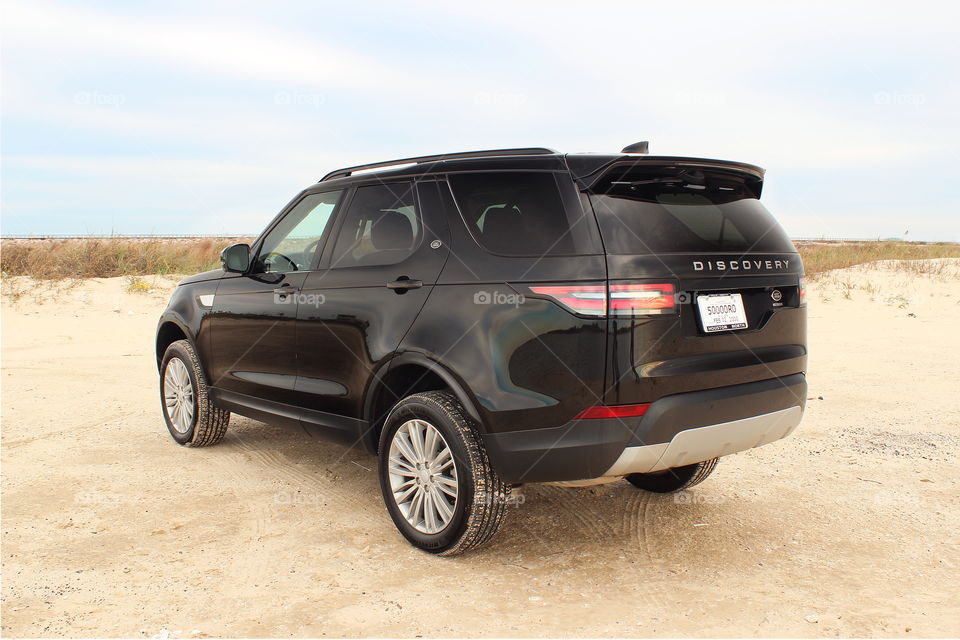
{"x": 487, "y": 319}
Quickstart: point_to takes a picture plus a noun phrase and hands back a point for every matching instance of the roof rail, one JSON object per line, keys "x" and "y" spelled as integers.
{"x": 347, "y": 171}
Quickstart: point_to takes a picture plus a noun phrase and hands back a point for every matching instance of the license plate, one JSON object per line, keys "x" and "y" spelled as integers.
{"x": 722, "y": 312}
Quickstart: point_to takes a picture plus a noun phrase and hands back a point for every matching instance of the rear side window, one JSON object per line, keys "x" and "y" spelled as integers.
{"x": 523, "y": 213}
{"x": 381, "y": 227}
{"x": 670, "y": 210}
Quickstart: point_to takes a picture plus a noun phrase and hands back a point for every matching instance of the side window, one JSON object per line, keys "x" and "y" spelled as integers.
{"x": 521, "y": 213}
{"x": 380, "y": 227}
{"x": 292, "y": 244}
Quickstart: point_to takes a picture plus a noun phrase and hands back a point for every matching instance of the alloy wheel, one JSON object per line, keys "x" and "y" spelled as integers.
{"x": 178, "y": 396}
{"x": 423, "y": 476}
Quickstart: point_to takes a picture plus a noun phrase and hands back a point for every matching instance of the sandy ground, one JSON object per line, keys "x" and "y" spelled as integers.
{"x": 850, "y": 527}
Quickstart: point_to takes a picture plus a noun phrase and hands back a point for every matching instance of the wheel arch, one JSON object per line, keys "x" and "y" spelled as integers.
{"x": 405, "y": 374}
{"x": 170, "y": 329}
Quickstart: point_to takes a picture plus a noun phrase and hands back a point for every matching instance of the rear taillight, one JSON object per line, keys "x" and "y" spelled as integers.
{"x": 624, "y": 299}
{"x": 587, "y": 300}
{"x": 802, "y": 289}
{"x": 636, "y": 299}
{"x": 614, "y": 411}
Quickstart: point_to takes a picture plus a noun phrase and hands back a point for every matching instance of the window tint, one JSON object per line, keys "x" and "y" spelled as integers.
{"x": 671, "y": 211}
{"x": 381, "y": 227}
{"x": 292, "y": 244}
{"x": 521, "y": 213}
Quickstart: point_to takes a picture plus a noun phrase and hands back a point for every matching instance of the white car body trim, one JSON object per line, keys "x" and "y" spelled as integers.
{"x": 704, "y": 443}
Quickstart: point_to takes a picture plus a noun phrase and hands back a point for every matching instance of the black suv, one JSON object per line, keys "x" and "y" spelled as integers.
{"x": 487, "y": 319}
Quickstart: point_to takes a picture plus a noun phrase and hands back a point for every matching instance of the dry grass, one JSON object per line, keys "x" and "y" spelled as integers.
{"x": 105, "y": 258}
{"x": 819, "y": 257}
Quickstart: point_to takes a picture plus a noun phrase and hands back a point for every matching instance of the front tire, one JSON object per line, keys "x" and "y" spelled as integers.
{"x": 192, "y": 420}
{"x": 436, "y": 479}
{"x": 675, "y": 479}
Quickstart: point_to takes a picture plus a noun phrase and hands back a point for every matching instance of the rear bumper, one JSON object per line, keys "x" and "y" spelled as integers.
{"x": 677, "y": 430}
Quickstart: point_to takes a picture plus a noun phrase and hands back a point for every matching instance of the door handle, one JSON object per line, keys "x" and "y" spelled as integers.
{"x": 403, "y": 283}
{"x": 280, "y": 295}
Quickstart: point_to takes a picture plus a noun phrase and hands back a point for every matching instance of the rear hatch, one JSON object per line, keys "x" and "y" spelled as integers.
{"x": 724, "y": 279}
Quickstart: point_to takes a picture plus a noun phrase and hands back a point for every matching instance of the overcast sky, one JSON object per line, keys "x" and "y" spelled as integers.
{"x": 179, "y": 118}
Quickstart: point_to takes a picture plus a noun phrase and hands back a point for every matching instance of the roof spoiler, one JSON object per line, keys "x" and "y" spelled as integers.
{"x": 588, "y": 170}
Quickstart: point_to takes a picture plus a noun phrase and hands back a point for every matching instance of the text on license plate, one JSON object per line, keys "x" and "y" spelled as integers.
{"x": 721, "y": 312}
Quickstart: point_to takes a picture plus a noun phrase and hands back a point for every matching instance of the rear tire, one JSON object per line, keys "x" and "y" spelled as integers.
{"x": 672, "y": 480}
{"x": 192, "y": 420}
{"x": 436, "y": 478}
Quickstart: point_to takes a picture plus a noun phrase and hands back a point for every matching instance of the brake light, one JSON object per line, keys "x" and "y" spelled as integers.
{"x": 802, "y": 289}
{"x": 587, "y": 300}
{"x": 634, "y": 299}
{"x": 615, "y": 411}
{"x": 624, "y": 299}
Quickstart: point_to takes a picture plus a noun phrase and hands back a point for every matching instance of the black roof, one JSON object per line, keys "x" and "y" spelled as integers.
{"x": 494, "y": 153}
{"x": 584, "y": 167}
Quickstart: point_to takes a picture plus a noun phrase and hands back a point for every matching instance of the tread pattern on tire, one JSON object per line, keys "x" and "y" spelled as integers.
{"x": 704, "y": 469}
{"x": 489, "y": 507}
{"x": 699, "y": 472}
{"x": 212, "y": 421}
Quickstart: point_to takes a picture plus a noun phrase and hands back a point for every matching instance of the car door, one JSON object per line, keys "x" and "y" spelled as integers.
{"x": 391, "y": 244}
{"x": 252, "y": 330}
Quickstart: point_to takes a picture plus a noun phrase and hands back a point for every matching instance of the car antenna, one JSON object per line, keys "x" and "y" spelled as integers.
{"x": 637, "y": 147}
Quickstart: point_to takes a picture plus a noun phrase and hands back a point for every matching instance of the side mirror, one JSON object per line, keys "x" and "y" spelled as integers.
{"x": 236, "y": 258}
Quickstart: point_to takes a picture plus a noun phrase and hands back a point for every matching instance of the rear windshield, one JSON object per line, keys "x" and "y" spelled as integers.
{"x": 671, "y": 210}
{"x": 524, "y": 213}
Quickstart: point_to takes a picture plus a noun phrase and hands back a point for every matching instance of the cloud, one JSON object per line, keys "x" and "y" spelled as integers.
{"x": 233, "y": 108}
{"x": 183, "y": 170}
{"x": 244, "y": 52}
